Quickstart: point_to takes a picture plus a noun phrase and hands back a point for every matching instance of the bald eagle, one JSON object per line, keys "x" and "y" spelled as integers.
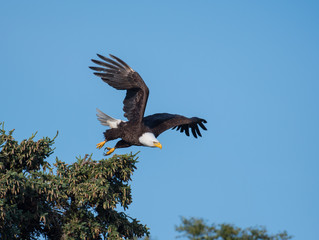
{"x": 138, "y": 130}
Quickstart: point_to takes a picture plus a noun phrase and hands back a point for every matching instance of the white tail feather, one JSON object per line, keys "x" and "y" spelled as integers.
{"x": 106, "y": 120}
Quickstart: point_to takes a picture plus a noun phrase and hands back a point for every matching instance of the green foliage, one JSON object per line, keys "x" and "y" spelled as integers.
{"x": 197, "y": 229}
{"x": 76, "y": 201}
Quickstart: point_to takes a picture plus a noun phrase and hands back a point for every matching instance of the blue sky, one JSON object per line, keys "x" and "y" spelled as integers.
{"x": 249, "y": 67}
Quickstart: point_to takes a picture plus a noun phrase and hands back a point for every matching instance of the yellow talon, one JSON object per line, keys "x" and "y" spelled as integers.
{"x": 100, "y": 145}
{"x": 110, "y": 150}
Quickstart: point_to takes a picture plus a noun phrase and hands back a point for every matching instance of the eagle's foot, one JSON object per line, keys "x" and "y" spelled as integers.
{"x": 100, "y": 145}
{"x": 111, "y": 150}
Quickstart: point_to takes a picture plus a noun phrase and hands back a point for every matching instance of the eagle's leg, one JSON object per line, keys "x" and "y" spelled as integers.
{"x": 109, "y": 135}
{"x": 111, "y": 150}
{"x": 122, "y": 144}
{"x": 101, "y": 144}
{"x": 119, "y": 144}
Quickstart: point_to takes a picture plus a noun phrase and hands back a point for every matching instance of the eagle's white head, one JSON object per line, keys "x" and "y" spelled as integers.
{"x": 148, "y": 139}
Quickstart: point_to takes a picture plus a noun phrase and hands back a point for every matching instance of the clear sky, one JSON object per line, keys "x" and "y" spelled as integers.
{"x": 250, "y": 68}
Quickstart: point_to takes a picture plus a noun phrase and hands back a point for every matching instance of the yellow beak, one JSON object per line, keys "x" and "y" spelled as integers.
{"x": 157, "y": 144}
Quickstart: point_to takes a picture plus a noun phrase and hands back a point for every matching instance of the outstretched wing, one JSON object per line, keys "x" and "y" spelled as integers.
{"x": 161, "y": 122}
{"x": 119, "y": 75}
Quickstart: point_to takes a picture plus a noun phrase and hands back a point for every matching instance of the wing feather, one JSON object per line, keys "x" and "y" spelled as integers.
{"x": 194, "y": 133}
{"x": 160, "y": 122}
{"x": 110, "y": 61}
{"x": 103, "y": 64}
{"x": 121, "y": 76}
{"x": 187, "y": 132}
{"x": 202, "y": 126}
{"x": 122, "y": 62}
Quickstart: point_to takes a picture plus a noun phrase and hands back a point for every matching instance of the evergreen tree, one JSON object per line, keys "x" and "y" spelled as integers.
{"x": 198, "y": 229}
{"x": 62, "y": 201}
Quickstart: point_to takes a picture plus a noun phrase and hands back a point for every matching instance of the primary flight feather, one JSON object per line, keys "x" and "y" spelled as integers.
{"x": 138, "y": 130}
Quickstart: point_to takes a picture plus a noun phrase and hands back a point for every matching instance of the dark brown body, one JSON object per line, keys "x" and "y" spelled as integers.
{"x": 127, "y": 132}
